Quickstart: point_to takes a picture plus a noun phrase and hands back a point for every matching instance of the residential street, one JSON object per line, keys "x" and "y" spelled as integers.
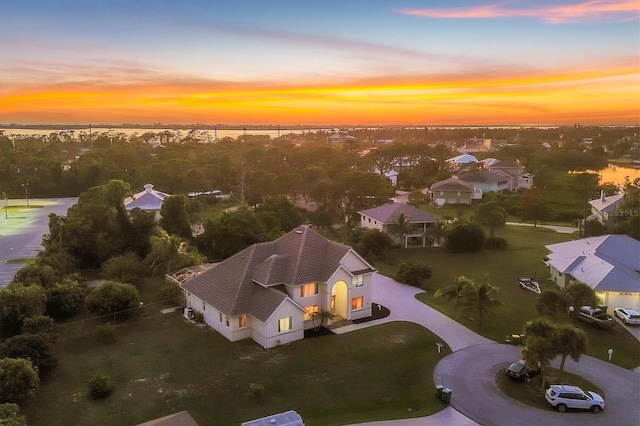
{"x": 470, "y": 372}
{"x": 21, "y": 232}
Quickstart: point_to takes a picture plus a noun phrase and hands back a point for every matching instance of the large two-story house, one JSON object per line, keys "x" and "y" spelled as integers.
{"x": 384, "y": 216}
{"x": 271, "y": 292}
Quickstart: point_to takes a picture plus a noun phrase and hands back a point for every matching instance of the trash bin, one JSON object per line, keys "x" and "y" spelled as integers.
{"x": 439, "y": 389}
{"x": 446, "y": 395}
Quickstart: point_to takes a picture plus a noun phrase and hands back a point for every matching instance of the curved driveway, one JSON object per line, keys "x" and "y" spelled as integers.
{"x": 470, "y": 372}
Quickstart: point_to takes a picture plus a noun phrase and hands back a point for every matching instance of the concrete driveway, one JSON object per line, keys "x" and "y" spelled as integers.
{"x": 21, "y": 232}
{"x": 470, "y": 372}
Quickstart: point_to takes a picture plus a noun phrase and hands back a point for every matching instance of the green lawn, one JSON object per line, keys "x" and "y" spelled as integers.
{"x": 162, "y": 364}
{"x": 522, "y": 258}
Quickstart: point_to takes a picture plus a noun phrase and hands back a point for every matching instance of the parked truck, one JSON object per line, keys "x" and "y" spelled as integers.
{"x": 596, "y": 317}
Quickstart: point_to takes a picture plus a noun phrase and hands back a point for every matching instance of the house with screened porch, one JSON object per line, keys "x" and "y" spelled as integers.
{"x": 270, "y": 291}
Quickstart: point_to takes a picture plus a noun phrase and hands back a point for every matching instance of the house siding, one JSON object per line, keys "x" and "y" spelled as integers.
{"x": 275, "y": 338}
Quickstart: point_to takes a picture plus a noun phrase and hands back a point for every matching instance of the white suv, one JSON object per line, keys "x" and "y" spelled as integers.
{"x": 567, "y": 396}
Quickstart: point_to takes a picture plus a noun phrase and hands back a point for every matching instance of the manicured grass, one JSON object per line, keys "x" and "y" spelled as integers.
{"x": 532, "y": 393}
{"x": 162, "y": 364}
{"x": 523, "y": 258}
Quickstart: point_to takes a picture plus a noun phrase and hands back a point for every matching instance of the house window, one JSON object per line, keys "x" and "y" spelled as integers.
{"x": 226, "y": 320}
{"x": 285, "y": 324}
{"x": 357, "y": 281}
{"x": 242, "y": 321}
{"x": 369, "y": 219}
{"x": 357, "y": 303}
{"x": 220, "y": 314}
{"x": 309, "y": 290}
{"x": 310, "y": 311}
{"x": 204, "y": 307}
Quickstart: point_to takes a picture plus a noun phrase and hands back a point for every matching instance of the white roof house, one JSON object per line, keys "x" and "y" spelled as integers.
{"x": 149, "y": 199}
{"x": 462, "y": 159}
{"x": 603, "y": 209}
{"x": 610, "y": 264}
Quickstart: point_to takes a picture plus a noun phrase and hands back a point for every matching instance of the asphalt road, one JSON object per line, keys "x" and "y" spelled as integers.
{"x": 470, "y": 373}
{"x": 21, "y": 231}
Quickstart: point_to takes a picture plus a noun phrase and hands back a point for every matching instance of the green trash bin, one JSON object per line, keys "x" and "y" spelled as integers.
{"x": 439, "y": 389}
{"x": 446, "y": 395}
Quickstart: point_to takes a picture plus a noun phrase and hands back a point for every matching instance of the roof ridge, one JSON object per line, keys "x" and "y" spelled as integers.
{"x": 242, "y": 278}
{"x": 299, "y": 254}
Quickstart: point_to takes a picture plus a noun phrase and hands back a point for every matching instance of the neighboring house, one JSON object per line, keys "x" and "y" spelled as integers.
{"x": 610, "y": 264}
{"x": 475, "y": 145}
{"x": 487, "y": 180}
{"x": 604, "y": 209}
{"x": 384, "y": 216}
{"x": 301, "y": 197}
{"x": 461, "y": 161}
{"x": 518, "y": 177}
{"x": 453, "y": 191}
{"x": 392, "y": 175}
{"x": 149, "y": 199}
{"x": 270, "y": 291}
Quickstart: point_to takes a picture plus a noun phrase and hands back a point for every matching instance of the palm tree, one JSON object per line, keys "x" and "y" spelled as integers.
{"x": 401, "y": 227}
{"x": 481, "y": 298}
{"x": 323, "y": 315}
{"x": 569, "y": 341}
{"x": 540, "y": 348}
{"x": 455, "y": 292}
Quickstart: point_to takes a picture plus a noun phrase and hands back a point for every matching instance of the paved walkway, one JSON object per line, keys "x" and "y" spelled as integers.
{"x": 477, "y": 394}
{"x": 560, "y": 229}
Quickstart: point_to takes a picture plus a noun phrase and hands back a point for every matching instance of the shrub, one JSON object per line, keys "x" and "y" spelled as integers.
{"x": 10, "y": 415}
{"x": 413, "y": 273}
{"x": 256, "y": 390}
{"x": 106, "y": 333}
{"x": 497, "y": 243}
{"x": 65, "y": 299}
{"x": 464, "y": 238}
{"x": 35, "y": 347}
{"x": 114, "y": 297}
{"x": 40, "y": 324}
{"x": 127, "y": 268}
{"x": 18, "y": 380}
{"x": 100, "y": 386}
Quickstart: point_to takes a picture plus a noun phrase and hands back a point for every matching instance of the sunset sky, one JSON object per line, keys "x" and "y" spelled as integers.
{"x": 369, "y": 62}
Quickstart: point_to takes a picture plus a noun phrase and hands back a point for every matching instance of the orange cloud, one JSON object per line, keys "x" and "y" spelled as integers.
{"x": 593, "y": 10}
{"x": 596, "y": 96}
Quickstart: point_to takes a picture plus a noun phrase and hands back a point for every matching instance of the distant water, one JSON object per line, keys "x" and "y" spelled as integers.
{"x": 221, "y": 133}
{"x": 618, "y": 174}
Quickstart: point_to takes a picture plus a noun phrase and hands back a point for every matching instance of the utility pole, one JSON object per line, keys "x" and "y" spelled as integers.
{"x": 6, "y": 205}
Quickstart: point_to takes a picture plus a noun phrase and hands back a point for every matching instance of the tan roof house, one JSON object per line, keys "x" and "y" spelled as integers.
{"x": 453, "y": 191}
{"x": 384, "y": 216}
{"x": 270, "y": 291}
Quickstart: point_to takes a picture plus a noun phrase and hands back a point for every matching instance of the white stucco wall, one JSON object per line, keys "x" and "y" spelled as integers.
{"x": 275, "y": 338}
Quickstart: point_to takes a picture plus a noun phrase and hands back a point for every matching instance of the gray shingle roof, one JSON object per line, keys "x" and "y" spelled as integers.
{"x": 238, "y": 284}
{"x": 482, "y": 176}
{"x": 605, "y": 263}
{"x": 388, "y": 213}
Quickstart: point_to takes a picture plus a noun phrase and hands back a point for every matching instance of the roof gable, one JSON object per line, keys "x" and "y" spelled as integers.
{"x": 453, "y": 184}
{"x": 388, "y": 213}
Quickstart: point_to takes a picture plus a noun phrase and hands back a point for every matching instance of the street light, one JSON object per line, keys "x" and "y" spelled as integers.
{"x": 26, "y": 192}
{"x": 6, "y": 205}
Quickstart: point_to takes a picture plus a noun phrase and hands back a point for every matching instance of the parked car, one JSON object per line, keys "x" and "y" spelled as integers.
{"x": 627, "y": 315}
{"x": 566, "y": 396}
{"x": 521, "y": 371}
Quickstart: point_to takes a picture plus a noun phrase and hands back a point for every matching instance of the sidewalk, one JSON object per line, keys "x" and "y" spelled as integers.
{"x": 560, "y": 229}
